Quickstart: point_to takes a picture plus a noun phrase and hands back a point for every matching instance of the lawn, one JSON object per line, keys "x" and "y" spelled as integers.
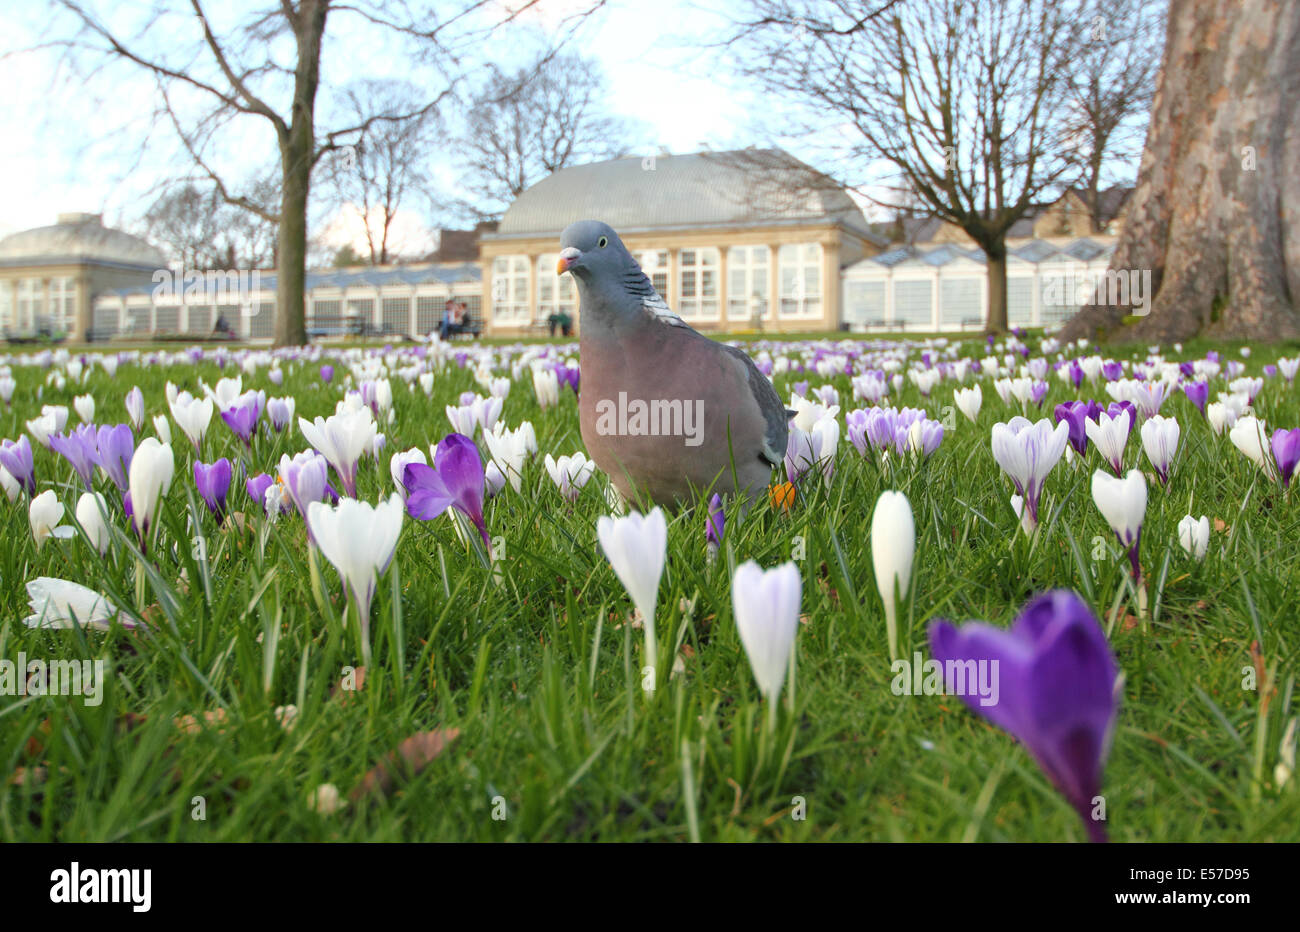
{"x": 239, "y": 694}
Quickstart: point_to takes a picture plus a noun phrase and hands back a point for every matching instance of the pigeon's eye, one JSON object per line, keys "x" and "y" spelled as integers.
{"x": 603, "y": 242}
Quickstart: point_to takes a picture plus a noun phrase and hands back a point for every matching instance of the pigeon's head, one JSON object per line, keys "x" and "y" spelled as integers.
{"x": 589, "y": 249}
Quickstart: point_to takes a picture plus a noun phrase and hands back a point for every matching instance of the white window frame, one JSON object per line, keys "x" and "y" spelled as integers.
{"x": 753, "y": 265}
{"x": 698, "y": 304}
{"x": 798, "y": 298}
{"x": 510, "y": 299}
{"x": 556, "y": 294}
{"x": 657, "y": 263}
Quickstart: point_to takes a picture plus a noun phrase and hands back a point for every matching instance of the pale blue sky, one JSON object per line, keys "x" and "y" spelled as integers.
{"x": 80, "y": 140}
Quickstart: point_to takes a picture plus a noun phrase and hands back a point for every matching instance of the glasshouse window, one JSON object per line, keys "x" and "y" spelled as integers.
{"x": 396, "y": 314}
{"x": 800, "y": 269}
{"x": 864, "y": 304}
{"x": 959, "y": 301}
{"x": 1020, "y": 301}
{"x": 697, "y": 279}
{"x": 913, "y": 303}
{"x": 748, "y": 291}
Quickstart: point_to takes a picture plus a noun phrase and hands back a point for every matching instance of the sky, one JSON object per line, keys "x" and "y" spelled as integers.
{"x": 85, "y": 135}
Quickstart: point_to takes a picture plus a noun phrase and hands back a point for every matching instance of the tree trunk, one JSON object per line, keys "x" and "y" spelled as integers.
{"x": 1215, "y": 215}
{"x": 997, "y": 259}
{"x": 297, "y": 158}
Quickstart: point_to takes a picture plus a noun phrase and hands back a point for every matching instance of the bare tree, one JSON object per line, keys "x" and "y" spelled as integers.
{"x": 198, "y": 228}
{"x": 372, "y": 178}
{"x": 960, "y": 99}
{"x": 527, "y": 123}
{"x": 1108, "y": 98}
{"x": 241, "y": 71}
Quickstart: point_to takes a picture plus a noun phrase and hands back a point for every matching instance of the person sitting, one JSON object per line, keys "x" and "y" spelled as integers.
{"x": 452, "y": 321}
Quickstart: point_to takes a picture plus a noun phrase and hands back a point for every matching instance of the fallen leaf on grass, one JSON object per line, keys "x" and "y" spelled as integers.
{"x": 411, "y": 756}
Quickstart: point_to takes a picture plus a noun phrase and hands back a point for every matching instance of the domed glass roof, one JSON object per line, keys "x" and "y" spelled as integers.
{"x": 79, "y": 238}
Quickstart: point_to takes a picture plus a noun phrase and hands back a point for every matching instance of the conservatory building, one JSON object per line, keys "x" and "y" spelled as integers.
{"x": 747, "y": 240}
{"x": 940, "y": 288}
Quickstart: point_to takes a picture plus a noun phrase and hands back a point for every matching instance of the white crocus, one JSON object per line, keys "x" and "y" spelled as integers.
{"x": 45, "y": 512}
{"x": 60, "y": 603}
{"x": 509, "y": 448}
{"x": 893, "y": 549}
{"x": 193, "y": 416}
{"x": 570, "y": 473}
{"x": 13, "y": 488}
{"x": 969, "y": 401}
{"x": 1248, "y": 436}
{"x": 152, "y": 469}
{"x": 1220, "y": 416}
{"x": 637, "y": 547}
{"x": 359, "y": 540}
{"x": 766, "y": 604}
{"x": 42, "y": 427}
{"x": 1110, "y": 435}
{"x": 1122, "y": 502}
{"x": 163, "y": 428}
{"x": 1160, "y": 441}
{"x": 135, "y": 407}
{"x": 85, "y": 407}
{"x": 342, "y": 438}
{"x": 91, "y": 509}
{"x": 1027, "y": 452}
{"x": 1194, "y": 535}
{"x": 397, "y": 467}
{"x": 546, "y": 385}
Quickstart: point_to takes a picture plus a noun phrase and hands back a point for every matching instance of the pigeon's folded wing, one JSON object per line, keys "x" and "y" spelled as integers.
{"x": 769, "y": 403}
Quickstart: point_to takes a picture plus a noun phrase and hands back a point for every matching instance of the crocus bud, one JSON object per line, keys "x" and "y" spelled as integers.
{"x": 91, "y": 509}
{"x": 1194, "y": 535}
{"x": 893, "y": 548}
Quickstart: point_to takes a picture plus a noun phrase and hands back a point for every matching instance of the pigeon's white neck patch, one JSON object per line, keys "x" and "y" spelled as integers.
{"x": 658, "y": 308}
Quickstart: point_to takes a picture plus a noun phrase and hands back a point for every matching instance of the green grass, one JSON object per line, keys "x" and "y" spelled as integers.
{"x": 538, "y": 670}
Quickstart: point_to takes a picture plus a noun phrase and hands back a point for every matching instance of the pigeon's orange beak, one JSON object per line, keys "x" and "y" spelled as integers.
{"x": 568, "y": 256}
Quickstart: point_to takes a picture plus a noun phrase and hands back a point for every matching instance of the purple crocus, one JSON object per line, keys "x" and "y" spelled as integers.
{"x": 1074, "y": 414}
{"x": 80, "y": 448}
{"x": 569, "y": 375}
{"x": 1197, "y": 393}
{"x": 1037, "y": 392}
{"x": 1116, "y": 407}
{"x": 306, "y": 478}
{"x": 327, "y": 373}
{"x": 1057, "y": 690}
{"x": 1112, "y": 371}
{"x": 455, "y": 479}
{"x": 242, "y": 416}
{"x": 715, "y": 524}
{"x": 213, "y": 482}
{"x": 114, "y": 448}
{"x": 256, "y": 487}
{"x": 16, "y": 457}
{"x": 280, "y": 412}
{"x": 1286, "y": 451}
